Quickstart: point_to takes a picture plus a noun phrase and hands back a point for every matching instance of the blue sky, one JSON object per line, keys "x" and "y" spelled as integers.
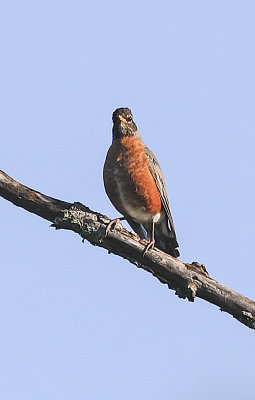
{"x": 76, "y": 322}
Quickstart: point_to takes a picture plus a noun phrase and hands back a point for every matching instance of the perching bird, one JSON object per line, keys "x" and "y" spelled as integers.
{"x": 136, "y": 187}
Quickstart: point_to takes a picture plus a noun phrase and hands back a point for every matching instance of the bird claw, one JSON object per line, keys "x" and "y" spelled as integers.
{"x": 149, "y": 246}
{"x": 112, "y": 223}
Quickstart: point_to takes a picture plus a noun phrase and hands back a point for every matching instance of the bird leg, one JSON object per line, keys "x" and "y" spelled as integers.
{"x": 113, "y": 223}
{"x": 151, "y": 243}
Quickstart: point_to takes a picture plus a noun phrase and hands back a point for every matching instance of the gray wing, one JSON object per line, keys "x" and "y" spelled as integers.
{"x": 156, "y": 172}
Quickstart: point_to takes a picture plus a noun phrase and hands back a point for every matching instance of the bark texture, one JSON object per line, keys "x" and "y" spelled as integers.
{"x": 188, "y": 280}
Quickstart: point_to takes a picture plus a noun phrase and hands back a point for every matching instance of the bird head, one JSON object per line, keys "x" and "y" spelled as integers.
{"x": 123, "y": 124}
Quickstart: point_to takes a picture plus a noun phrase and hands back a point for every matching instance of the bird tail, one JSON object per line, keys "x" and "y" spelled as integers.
{"x": 165, "y": 239}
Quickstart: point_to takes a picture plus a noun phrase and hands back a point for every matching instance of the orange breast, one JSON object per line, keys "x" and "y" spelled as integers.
{"x": 128, "y": 181}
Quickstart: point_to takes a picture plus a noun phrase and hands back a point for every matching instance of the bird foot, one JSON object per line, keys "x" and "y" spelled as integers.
{"x": 149, "y": 246}
{"x": 112, "y": 224}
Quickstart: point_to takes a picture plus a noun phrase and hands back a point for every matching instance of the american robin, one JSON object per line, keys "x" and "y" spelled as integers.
{"x": 136, "y": 187}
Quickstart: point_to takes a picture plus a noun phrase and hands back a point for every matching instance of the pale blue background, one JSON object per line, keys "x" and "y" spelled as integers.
{"x": 77, "y": 323}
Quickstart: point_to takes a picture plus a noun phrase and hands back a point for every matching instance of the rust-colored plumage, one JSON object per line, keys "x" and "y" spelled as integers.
{"x": 135, "y": 185}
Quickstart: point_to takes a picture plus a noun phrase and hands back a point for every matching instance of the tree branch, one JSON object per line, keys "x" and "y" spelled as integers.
{"x": 188, "y": 280}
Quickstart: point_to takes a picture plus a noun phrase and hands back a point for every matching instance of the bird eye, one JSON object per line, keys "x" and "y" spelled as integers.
{"x": 129, "y": 118}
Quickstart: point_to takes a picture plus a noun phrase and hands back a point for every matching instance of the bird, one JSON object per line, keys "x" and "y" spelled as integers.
{"x": 135, "y": 185}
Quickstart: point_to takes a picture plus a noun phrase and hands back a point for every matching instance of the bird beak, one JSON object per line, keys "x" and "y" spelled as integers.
{"x": 122, "y": 119}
